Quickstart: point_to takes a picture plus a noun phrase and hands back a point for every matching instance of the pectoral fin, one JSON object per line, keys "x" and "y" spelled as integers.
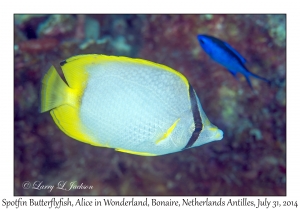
{"x": 167, "y": 133}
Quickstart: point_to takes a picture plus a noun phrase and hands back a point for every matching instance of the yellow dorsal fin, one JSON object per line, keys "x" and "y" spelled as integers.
{"x": 72, "y": 66}
{"x": 75, "y": 72}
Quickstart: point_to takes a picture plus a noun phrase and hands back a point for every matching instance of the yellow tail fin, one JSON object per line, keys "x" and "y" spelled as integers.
{"x": 54, "y": 91}
{"x": 64, "y": 101}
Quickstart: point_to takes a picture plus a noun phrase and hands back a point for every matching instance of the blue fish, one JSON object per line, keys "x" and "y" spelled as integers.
{"x": 227, "y": 56}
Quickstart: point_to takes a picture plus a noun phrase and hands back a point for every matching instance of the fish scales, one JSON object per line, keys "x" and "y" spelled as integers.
{"x": 123, "y": 100}
{"x": 132, "y": 105}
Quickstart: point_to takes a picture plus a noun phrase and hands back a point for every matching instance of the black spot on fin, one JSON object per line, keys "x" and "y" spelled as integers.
{"x": 58, "y": 67}
{"x": 63, "y": 63}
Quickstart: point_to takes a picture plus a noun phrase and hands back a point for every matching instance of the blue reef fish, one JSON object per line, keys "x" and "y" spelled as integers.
{"x": 227, "y": 56}
{"x": 132, "y": 105}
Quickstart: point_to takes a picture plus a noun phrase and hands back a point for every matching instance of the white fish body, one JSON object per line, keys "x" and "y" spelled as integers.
{"x": 131, "y": 105}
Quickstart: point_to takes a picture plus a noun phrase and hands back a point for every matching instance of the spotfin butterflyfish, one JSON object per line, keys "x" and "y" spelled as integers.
{"x": 132, "y": 105}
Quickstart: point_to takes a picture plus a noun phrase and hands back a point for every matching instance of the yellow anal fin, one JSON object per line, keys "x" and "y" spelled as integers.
{"x": 169, "y": 131}
{"x": 135, "y": 153}
{"x": 67, "y": 119}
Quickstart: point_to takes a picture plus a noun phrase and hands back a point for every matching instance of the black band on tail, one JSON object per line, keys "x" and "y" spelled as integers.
{"x": 196, "y": 116}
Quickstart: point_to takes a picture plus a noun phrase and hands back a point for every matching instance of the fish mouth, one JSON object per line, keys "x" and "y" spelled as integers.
{"x": 216, "y": 133}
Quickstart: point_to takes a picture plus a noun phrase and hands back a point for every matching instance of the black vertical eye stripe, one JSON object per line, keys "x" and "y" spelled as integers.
{"x": 196, "y": 116}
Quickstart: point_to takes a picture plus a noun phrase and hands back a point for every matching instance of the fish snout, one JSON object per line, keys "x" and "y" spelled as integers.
{"x": 217, "y": 134}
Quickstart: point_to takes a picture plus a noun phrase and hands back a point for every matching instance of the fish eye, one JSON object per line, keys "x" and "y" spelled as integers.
{"x": 201, "y": 41}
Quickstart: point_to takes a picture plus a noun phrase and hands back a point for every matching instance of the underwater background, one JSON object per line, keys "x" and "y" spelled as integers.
{"x": 251, "y": 158}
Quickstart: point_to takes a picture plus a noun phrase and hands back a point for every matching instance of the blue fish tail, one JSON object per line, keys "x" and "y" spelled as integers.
{"x": 248, "y": 80}
{"x": 258, "y": 77}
